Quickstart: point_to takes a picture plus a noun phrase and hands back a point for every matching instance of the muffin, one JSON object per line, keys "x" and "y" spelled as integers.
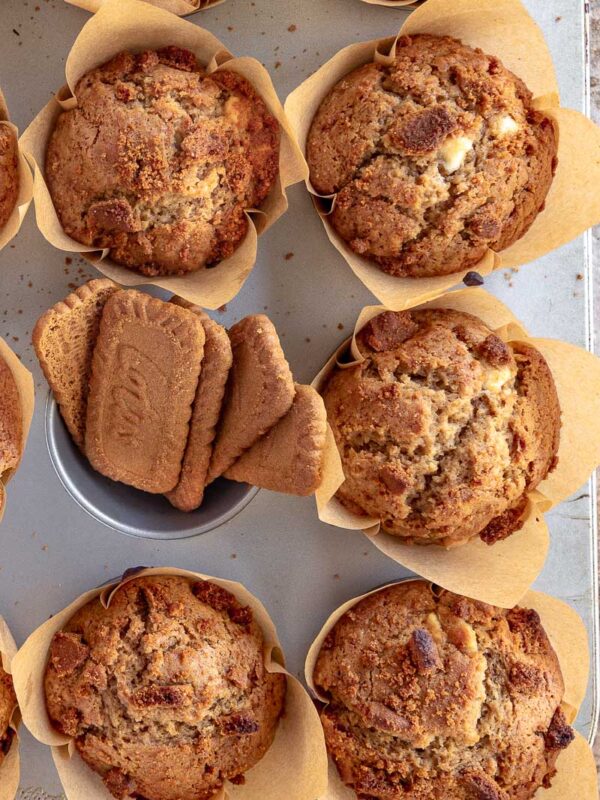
{"x": 432, "y": 695}
{"x": 443, "y": 429}
{"x": 165, "y": 692}
{"x": 11, "y": 422}
{"x": 433, "y": 158}
{"x": 9, "y": 173}
{"x": 8, "y": 701}
{"x": 159, "y": 161}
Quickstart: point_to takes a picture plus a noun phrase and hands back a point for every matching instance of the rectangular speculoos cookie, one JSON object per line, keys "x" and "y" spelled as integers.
{"x": 144, "y": 376}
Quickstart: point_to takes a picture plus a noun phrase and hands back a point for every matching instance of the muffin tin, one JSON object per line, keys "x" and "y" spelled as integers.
{"x": 300, "y": 568}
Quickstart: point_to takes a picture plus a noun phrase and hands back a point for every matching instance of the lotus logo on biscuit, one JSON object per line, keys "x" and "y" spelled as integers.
{"x": 132, "y": 394}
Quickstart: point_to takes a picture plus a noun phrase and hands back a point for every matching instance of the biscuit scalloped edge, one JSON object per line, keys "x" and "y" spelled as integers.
{"x": 299, "y": 730}
{"x": 576, "y": 765}
{"x": 180, "y": 7}
{"x": 10, "y": 768}
{"x": 25, "y": 194}
{"x": 137, "y": 25}
{"x": 505, "y": 29}
{"x": 499, "y": 574}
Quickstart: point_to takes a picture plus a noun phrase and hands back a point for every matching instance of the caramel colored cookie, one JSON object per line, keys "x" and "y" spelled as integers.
{"x": 289, "y": 458}
{"x": 432, "y": 695}
{"x": 64, "y": 338}
{"x": 260, "y": 391}
{"x": 159, "y": 161}
{"x": 189, "y": 492}
{"x": 165, "y": 692}
{"x": 8, "y": 701}
{"x": 144, "y": 376}
{"x": 434, "y": 157}
{"x": 9, "y": 173}
{"x": 443, "y": 429}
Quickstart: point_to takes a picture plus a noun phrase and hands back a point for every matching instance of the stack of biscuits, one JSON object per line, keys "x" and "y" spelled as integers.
{"x": 159, "y": 396}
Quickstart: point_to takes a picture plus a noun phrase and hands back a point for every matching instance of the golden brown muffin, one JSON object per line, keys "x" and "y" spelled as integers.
{"x": 11, "y": 421}
{"x": 159, "y": 161}
{"x": 8, "y": 701}
{"x": 443, "y": 429}
{"x": 165, "y": 692}
{"x": 433, "y": 695}
{"x": 434, "y": 158}
{"x": 9, "y": 173}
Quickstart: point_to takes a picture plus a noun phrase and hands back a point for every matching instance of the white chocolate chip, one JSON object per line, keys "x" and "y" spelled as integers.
{"x": 505, "y": 125}
{"x": 453, "y": 152}
{"x": 496, "y": 379}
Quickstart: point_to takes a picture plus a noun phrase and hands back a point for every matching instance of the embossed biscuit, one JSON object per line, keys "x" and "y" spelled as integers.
{"x": 289, "y": 458}
{"x": 144, "y": 376}
{"x": 260, "y": 391}
{"x": 189, "y": 492}
{"x": 64, "y": 339}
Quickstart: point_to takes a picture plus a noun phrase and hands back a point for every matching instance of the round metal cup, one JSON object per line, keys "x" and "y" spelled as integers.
{"x": 129, "y": 510}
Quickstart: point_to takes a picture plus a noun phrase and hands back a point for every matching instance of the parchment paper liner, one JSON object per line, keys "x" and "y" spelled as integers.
{"x": 13, "y": 223}
{"x": 9, "y": 770}
{"x": 501, "y": 573}
{"x": 295, "y": 766}
{"x": 136, "y": 25}
{"x": 502, "y": 28}
{"x": 180, "y": 7}
{"x": 576, "y": 769}
{"x": 24, "y": 380}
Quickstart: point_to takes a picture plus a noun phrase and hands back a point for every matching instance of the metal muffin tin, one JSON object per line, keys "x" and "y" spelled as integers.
{"x": 51, "y": 549}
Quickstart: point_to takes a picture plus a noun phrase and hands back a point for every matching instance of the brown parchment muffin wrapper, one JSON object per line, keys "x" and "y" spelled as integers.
{"x": 136, "y": 25}
{"x": 24, "y": 380}
{"x": 295, "y": 766}
{"x": 502, "y": 28}
{"x": 9, "y": 769}
{"x": 501, "y": 573}
{"x": 13, "y": 223}
{"x": 576, "y": 769}
{"x": 180, "y": 7}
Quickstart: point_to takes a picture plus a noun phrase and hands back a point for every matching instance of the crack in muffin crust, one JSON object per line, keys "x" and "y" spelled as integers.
{"x": 433, "y": 159}
{"x": 165, "y": 692}
{"x": 432, "y": 695}
{"x": 159, "y": 161}
{"x": 443, "y": 429}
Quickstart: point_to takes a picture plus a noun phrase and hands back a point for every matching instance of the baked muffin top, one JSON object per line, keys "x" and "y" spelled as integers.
{"x": 8, "y": 701}
{"x": 165, "y": 692}
{"x": 9, "y": 173}
{"x": 433, "y": 695}
{"x": 159, "y": 161}
{"x": 443, "y": 428}
{"x": 434, "y": 158}
{"x": 11, "y": 420}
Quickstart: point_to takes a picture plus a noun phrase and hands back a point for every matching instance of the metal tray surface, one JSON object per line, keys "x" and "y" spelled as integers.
{"x": 51, "y": 550}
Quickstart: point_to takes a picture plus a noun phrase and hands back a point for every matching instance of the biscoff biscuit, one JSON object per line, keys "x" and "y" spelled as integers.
{"x": 289, "y": 458}
{"x": 189, "y": 492}
{"x": 64, "y": 339}
{"x": 144, "y": 376}
{"x": 260, "y": 391}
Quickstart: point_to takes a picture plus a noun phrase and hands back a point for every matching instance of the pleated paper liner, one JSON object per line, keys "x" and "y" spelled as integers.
{"x": 135, "y": 25}
{"x": 13, "y": 223}
{"x": 24, "y": 380}
{"x": 294, "y": 767}
{"x": 501, "y": 573}
{"x": 9, "y": 769}
{"x": 180, "y": 7}
{"x": 576, "y": 769}
{"x": 502, "y": 28}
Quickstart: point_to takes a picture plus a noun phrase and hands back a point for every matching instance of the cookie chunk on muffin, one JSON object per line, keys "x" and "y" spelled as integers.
{"x": 443, "y": 429}
{"x": 159, "y": 161}
{"x": 433, "y": 158}
{"x": 434, "y": 695}
{"x": 165, "y": 692}
{"x": 9, "y": 173}
{"x": 8, "y": 701}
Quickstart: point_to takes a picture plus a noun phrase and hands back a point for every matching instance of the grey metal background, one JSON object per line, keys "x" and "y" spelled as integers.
{"x": 51, "y": 550}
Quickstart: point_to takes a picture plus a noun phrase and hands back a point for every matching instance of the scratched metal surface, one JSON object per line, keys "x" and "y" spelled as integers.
{"x": 51, "y": 551}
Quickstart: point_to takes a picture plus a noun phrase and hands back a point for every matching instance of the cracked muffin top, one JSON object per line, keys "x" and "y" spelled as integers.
{"x": 9, "y": 173}
{"x": 159, "y": 161}
{"x": 433, "y": 159}
{"x": 443, "y": 429}
{"x": 8, "y": 701}
{"x": 432, "y": 695}
{"x": 165, "y": 692}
